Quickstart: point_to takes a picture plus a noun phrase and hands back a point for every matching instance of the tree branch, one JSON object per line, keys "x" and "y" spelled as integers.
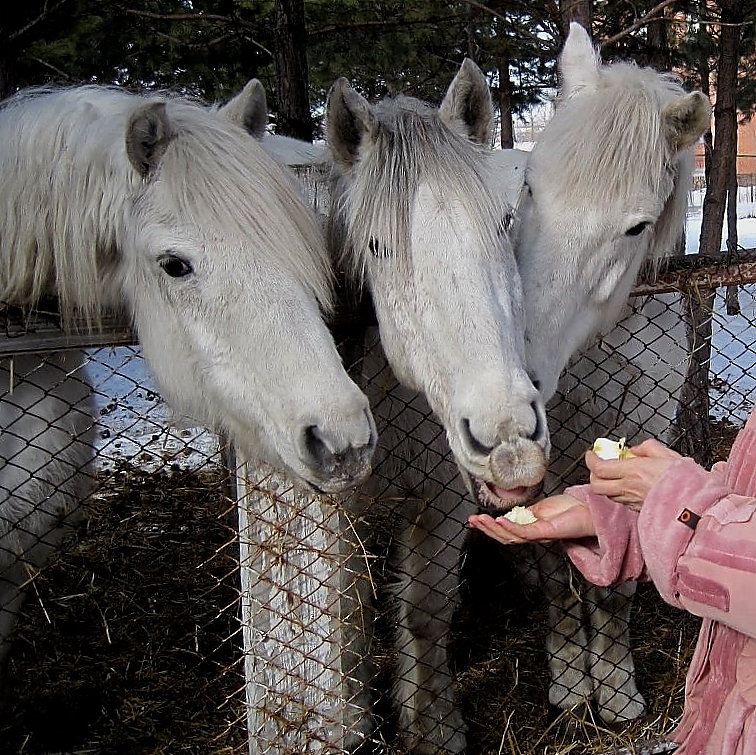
{"x": 231, "y": 20}
{"x": 46, "y": 11}
{"x": 184, "y": 16}
{"x": 45, "y": 64}
{"x": 642, "y": 21}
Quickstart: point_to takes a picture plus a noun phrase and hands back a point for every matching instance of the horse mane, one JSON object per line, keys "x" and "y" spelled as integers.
{"x": 64, "y": 164}
{"x": 409, "y": 146}
{"x": 621, "y": 125}
{"x": 221, "y": 171}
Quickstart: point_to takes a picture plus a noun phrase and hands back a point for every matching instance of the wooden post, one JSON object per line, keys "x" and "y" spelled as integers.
{"x": 290, "y": 575}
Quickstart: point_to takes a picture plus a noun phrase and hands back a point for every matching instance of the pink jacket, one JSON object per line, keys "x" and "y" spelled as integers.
{"x": 696, "y": 539}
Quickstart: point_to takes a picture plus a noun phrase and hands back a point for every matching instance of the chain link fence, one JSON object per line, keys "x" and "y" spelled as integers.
{"x": 175, "y": 606}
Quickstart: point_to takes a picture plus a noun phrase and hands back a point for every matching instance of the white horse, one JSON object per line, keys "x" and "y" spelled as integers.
{"x": 166, "y": 210}
{"x": 606, "y": 188}
{"x": 412, "y": 214}
{"x": 414, "y": 217}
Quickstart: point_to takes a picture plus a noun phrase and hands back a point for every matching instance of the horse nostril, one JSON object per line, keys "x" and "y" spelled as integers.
{"x": 536, "y": 435}
{"x": 473, "y": 443}
{"x": 315, "y": 445}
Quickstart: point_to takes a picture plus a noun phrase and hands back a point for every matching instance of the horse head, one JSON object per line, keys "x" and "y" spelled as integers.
{"x": 164, "y": 205}
{"x": 606, "y": 189}
{"x": 419, "y": 224}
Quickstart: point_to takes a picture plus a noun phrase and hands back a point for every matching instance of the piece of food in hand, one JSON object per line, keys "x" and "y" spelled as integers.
{"x": 611, "y": 449}
{"x": 521, "y": 515}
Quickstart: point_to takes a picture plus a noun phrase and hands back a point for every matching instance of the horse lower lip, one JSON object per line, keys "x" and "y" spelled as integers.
{"x": 508, "y": 494}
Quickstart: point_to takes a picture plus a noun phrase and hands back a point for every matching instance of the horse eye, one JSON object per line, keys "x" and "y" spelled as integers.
{"x": 377, "y": 249}
{"x": 636, "y": 230}
{"x": 175, "y": 266}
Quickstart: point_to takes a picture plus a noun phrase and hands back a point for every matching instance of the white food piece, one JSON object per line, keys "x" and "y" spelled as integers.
{"x": 521, "y": 515}
{"x": 611, "y": 449}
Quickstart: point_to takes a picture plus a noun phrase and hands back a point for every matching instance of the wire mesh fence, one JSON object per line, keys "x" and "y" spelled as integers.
{"x": 194, "y": 609}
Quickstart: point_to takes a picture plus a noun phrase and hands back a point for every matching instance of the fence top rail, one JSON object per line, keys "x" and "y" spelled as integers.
{"x": 699, "y": 271}
{"x": 38, "y": 331}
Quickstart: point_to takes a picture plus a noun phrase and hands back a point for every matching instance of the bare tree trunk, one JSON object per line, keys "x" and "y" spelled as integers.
{"x": 704, "y": 74}
{"x": 7, "y": 71}
{"x": 576, "y": 10}
{"x": 658, "y": 41}
{"x": 731, "y": 298}
{"x": 505, "y": 104}
{"x": 694, "y": 410}
{"x": 725, "y": 129}
{"x": 293, "y": 116}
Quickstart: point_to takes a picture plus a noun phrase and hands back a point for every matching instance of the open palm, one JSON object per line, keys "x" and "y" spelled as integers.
{"x": 559, "y": 517}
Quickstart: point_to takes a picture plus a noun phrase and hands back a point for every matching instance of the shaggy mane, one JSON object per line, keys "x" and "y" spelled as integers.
{"x": 621, "y": 126}
{"x": 68, "y": 189}
{"x": 412, "y": 146}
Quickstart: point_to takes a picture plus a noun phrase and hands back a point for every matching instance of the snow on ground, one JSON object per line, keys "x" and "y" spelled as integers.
{"x": 733, "y": 363}
{"x": 134, "y": 423}
{"x": 746, "y": 220}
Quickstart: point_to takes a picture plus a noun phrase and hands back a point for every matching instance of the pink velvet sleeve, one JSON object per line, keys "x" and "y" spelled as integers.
{"x": 694, "y": 537}
{"x": 632, "y": 546}
{"x": 614, "y": 555}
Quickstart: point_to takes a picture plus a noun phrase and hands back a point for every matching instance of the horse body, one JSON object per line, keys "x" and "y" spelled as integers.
{"x": 412, "y": 216}
{"x": 624, "y": 385}
{"x": 606, "y": 189}
{"x": 166, "y": 210}
{"x": 46, "y": 451}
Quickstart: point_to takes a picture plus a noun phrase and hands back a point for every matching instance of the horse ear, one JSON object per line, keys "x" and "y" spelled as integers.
{"x": 348, "y": 117}
{"x": 147, "y": 136}
{"x": 248, "y": 109}
{"x": 467, "y": 104}
{"x": 579, "y": 62}
{"x": 686, "y": 119}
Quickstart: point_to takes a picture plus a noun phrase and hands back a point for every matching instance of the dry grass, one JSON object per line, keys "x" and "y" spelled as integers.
{"x": 502, "y": 664}
{"x": 129, "y": 640}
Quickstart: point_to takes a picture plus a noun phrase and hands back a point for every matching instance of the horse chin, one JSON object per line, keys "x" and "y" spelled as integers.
{"x": 492, "y": 498}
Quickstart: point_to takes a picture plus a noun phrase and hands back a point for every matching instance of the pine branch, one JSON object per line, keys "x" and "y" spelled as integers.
{"x": 231, "y": 20}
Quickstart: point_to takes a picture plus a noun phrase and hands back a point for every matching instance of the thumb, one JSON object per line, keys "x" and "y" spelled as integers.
{"x": 652, "y": 448}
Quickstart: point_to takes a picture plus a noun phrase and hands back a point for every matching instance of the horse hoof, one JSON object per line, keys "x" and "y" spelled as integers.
{"x": 620, "y": 708}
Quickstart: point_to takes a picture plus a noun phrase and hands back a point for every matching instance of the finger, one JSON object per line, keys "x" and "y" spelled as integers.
{"x": 653, "y": 448}
{"x": 488, "y": 526}
{"x": 604, "y": 468}
{"x": 608, "y": 487}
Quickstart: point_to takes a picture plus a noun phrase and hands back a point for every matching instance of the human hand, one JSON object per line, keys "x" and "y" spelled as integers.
{"x": 560, "y": 517}
{"x": 628, "y": 480}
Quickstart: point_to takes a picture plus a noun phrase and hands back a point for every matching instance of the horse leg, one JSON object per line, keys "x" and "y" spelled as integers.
{"x": 426, "y": 564}
{"x": 31, "y": 532}
{"x": 611, "y": 661}
{"x": 566, "y": 641}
